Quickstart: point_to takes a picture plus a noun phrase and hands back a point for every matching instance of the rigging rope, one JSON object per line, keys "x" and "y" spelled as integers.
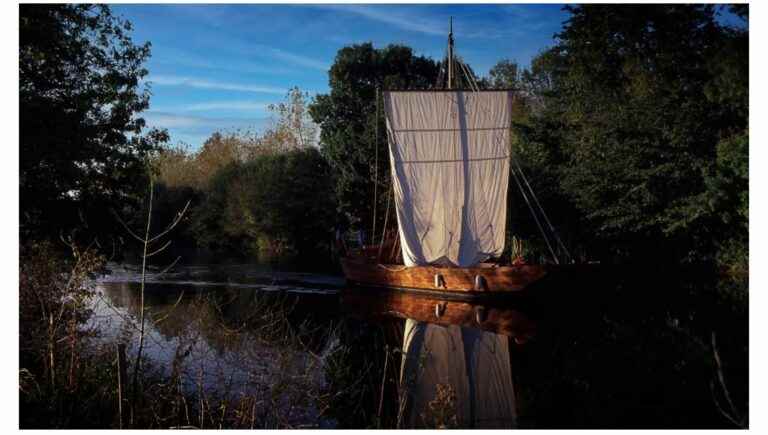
{"x": 543, "y": 213}
{"x": 470, "y": 80}
{"x": 475, "y": 88}
{"x": 386, "y": 218}
{"x": 466, "y": 75}
{"x": 376, "y": 168}
{"x": 441, "y": 73}
{"x": 536, "y": 218}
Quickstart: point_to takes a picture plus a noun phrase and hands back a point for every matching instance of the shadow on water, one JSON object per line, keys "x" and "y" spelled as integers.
{"x": 626, "y": 351}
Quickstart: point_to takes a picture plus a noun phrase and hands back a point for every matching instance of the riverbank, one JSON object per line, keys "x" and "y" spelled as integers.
{"x": 236, "y": 346}
{"x": 215, "y": 354}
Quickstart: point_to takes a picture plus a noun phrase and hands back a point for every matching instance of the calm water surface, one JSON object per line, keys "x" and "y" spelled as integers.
{"x": 222, "y": 325}
{"x": 617, "y": 358}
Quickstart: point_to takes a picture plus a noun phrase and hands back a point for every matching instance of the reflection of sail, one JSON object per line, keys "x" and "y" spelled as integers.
{"x": 476, "y": 366}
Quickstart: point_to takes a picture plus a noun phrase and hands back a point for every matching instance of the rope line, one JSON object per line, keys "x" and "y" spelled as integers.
{"x": 535, "y": 217}
{"x": 470, "y": 80}
{"x": 443, "y": 67}
{"x": 376, "y": 168}
{"x": 386, "y": 218}
{"x": 392, "y": 269}
{"x": 543, "y": 212}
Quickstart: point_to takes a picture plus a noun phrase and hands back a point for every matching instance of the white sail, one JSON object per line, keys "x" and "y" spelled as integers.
{"x": 449, "y": 154}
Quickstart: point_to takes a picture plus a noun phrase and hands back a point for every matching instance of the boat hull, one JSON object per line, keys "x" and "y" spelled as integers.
{"x": 484, "y": 280}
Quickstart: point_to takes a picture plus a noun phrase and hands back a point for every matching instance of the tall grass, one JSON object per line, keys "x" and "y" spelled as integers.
{"x": 290, "y": 371}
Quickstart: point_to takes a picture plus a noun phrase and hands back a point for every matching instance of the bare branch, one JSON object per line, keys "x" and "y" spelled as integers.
{"x": 63, "y": 240}
{"x": 723, "y": 412}
{"x": 169, "y": 266}
{"x": 170, "y": 310}
{"x": 137, "y": 364}
{"x": 733, "y": 416}
{"x": 720, "y": 376}
{"x": 125, "y": 318}
{"x": 159, "y": 250}
{"x": 173, "y": 224}
{"x": 128, "y": 229}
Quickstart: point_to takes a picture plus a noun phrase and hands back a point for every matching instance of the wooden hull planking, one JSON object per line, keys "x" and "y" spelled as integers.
{"x": 484, "y": 279}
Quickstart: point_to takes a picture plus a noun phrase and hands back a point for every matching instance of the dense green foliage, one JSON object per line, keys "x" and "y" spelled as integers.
{"x": 272, "y": 203}
{"x": 82, "y": 146}
{"x": 638, "y": 120}
{"x": 349, "y": 127}
{"x": 268, "y": 193}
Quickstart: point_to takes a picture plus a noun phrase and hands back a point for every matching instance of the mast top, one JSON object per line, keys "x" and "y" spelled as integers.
{"x": 450, "y": 53}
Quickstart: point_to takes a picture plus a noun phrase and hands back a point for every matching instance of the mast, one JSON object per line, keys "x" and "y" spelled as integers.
{"x": 450, "y": 54}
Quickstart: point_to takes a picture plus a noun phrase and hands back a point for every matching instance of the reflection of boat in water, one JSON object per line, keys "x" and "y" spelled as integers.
{"x": 456, "y": 369}
{"x": 456, "y": 377}
{"x": 509, "y": 320}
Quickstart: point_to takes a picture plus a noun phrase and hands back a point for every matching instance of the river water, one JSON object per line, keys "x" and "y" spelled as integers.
{"x": 310, "y": 358}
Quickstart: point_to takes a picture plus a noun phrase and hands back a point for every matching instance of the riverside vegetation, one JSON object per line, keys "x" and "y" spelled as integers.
{"x": 633, "y": 129}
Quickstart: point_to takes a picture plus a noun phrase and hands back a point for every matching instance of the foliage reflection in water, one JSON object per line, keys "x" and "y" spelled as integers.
{"x": 256, "y": 354}
{"x": 228, "y": 343}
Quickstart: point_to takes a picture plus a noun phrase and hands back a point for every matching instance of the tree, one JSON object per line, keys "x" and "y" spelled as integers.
{"x": 83, "y": 145}
{"x": 292, "y": 126}
{"x": 273, "y": 203}
{"x": 348, "y": 123}
{"x": 248, "y": 188}
{"x": 218, "y": 151}
{"x": 505, "y": 74}
{"x": 631, "y": 119}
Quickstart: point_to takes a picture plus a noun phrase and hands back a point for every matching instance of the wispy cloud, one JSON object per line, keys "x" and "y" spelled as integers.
{"x": 195, "y": 129}
{"x": 171, "y": 80}
{"x": 213, "y": 106}
{"x": 294, "y": 58}
{"x": 195, "y": 123}
{"x": 172, "y": 120}
{"x": 224, "y": 17}
{"x": 228, "y": 105}
{"x": 402, "y": 21}
{"x": 170, "y": 56}
{"x": 409, "y": 18}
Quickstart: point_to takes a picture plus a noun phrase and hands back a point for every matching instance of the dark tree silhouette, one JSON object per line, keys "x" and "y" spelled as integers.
{"x": 82, "y": 143}
{"x": 642, "y": 124}
{"x": 347, "y": 118}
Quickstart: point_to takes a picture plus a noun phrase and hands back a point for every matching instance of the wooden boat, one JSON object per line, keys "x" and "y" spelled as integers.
{"x": 483, "y": 279}
{"x": 451, "y": 162}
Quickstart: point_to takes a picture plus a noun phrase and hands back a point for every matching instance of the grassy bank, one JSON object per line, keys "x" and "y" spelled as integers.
{"x": 70, "y": 376}
{"x": 635, "y": 353}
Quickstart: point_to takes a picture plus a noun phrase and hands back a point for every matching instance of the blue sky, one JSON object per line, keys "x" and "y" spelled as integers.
{"x": 216, "y": 67}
